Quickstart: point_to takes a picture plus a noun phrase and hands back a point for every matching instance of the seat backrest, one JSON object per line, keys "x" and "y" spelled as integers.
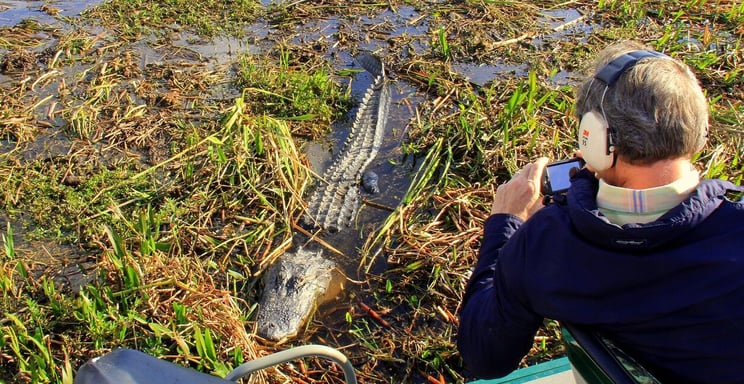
{"x": 129, "y": 366}
{"x": 596, "y": 359}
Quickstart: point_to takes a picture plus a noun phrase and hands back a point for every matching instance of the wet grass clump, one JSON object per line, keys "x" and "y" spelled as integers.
{"x": 286, "y": 91}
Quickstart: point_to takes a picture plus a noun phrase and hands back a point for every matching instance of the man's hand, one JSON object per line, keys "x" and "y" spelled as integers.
{"x": 520, "y": 196}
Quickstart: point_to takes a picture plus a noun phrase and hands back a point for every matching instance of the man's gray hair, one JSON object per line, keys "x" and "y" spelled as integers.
{"x": 656, "y": 109}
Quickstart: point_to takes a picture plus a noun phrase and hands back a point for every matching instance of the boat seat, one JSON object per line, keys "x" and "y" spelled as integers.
{"x": 596, "y": 359}
{"x": 556, "y": 371}
{"x": 590, "y": 359}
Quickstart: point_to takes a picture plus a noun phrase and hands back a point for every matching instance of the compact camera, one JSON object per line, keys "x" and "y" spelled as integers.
{"x": 557, "y": 176}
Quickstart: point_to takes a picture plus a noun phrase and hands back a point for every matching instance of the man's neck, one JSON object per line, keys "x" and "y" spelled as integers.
{"x": 660, "y": 173}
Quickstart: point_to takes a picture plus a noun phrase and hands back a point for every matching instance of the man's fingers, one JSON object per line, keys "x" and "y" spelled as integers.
{"x": 536, "y": 169}
{"x": 520, "y": 196}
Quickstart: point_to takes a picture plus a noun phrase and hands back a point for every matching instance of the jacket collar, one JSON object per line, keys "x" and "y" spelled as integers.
{"x": 596, "y": 229}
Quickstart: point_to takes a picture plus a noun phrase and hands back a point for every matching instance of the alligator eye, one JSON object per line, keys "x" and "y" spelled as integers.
{"x": 293, "y": 283}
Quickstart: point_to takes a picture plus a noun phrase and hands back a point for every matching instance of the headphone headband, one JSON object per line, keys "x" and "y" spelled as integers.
{"x": 612, "y": 71}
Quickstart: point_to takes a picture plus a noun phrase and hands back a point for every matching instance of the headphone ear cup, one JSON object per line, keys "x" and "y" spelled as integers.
{"x": 594, "y": 141}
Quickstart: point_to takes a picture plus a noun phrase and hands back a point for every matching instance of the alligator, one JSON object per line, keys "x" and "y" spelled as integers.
{"x": 291, "y": 286}
{"x": 295, "y": 281}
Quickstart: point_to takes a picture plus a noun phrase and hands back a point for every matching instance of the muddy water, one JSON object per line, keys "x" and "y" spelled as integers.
{"x": 65, "y": 264}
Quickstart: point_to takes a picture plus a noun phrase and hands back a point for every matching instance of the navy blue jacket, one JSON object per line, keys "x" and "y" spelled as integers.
{"x": 669, "y": 292}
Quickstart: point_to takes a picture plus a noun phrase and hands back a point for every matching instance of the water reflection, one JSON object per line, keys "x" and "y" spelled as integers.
{"x": 13, "y": 12}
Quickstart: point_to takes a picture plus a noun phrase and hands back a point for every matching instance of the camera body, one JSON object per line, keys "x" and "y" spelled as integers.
{"x": 557, "y": 176}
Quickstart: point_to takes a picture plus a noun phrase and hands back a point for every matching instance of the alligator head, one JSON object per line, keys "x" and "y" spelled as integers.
{"x": 292, "y": 286}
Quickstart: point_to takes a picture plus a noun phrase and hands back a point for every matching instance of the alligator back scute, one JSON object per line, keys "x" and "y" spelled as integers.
{"x": 335, "y": 201}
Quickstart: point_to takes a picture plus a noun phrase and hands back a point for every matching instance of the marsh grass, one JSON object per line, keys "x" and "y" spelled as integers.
{"x": 182, "y": 196}
{"x": 207, "y": 18}
{"x": 287, "y": 92}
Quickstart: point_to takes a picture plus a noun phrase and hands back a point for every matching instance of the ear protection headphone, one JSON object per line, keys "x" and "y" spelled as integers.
{"x": 595, "y": 134}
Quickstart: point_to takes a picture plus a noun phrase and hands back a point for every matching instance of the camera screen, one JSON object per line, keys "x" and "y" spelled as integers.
{"x": 559, "y": 175}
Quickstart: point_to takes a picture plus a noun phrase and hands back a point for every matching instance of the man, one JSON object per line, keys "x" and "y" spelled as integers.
{"x": 639, "y": 248}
